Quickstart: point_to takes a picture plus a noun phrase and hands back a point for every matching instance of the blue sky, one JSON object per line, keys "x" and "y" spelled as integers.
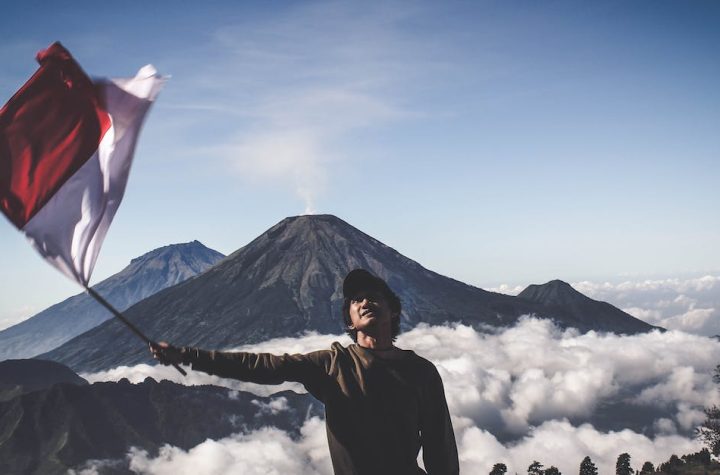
{"x": 493, "y": 142}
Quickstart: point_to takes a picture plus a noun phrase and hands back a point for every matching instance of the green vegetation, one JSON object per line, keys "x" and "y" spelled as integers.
{"x": 709, "y": 431}
{"x": 535, "y": 468}
{"x": 622, "y": 466}
{"x": 587, "y": 467}
{"x": 699, "y": 463}
{"x": 498, "y": 469}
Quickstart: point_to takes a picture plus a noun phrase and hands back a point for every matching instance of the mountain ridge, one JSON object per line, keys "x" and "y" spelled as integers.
{"x": 559, "y": 297}
{"x": 553, "y": 291}
{"x": 63, "y": 426}
{"x": 142, "y": 277}
{"x": 22, "y": 376}
{"x": 287, "y": 281}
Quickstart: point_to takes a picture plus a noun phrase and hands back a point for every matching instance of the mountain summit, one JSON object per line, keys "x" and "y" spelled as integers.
{"x": 288, "y": 281}
{"x": 561, "y": 300}
{"x": 144, "y": 276}
{"x": 554, "y": 292}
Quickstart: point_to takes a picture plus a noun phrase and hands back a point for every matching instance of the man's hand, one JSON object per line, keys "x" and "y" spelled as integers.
{"x": 166, "y": 353}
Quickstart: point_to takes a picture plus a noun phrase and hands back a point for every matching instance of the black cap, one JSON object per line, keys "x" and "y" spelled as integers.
{"x": 358, "y": 280}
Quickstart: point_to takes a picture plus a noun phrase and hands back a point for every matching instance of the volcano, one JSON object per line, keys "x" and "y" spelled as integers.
{"x": 288, "y": 281}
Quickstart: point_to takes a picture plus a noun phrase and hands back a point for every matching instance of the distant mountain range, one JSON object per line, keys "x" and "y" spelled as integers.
{"x": 60, "y": 426}
{"x": 143, "y": 277}
{"x": 285, "y": 282}
{"x": 288, "y": 281}
{"x": 571, "y": 308}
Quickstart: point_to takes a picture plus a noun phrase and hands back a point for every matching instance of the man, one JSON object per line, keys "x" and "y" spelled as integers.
{"x": 381, "y": 403}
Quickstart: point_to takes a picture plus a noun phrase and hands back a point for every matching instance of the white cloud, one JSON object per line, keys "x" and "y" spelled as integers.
{"x": 267, "y": 451}
{"x": 516, "y": 395}
{"x": 561, "y": 444}
{"x": 272, "y": 451}
{"x": 274, "y": 406}
{"x": 674, "y": 285}
{"x": 691, "y": 305}
{"x": 15, "y": 316}
{"x": 138, "y": 373}
{"x": 507, "y": 289}
{"x": 295, "y": 157}
{"x": 534, "y": 372}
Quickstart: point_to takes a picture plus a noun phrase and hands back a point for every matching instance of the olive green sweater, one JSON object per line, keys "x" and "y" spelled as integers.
{"x": 379, "y": 410}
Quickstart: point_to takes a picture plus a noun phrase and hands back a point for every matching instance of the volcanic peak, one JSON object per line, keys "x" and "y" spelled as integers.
{"x": 555, "y": 292}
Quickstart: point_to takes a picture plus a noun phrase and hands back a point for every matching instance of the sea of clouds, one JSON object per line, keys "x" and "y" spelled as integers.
{"x": 530, "y": 392}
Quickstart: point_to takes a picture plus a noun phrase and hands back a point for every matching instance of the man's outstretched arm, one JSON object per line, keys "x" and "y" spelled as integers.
{"x": 264, "y": 368}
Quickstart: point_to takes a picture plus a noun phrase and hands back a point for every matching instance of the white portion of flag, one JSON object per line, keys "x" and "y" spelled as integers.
{"x": 69, "y": 230}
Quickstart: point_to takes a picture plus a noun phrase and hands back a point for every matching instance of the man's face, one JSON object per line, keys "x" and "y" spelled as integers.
{"x": 370, "y": 312}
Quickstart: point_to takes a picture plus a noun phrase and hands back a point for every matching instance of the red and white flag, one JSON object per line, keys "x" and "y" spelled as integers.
{"x": 66, "y": 146}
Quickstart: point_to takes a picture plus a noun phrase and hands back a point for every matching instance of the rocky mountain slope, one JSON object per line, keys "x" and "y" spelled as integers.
{"x": 288, "y": 281}
{"x": 559, "y": 299}
{"x": 144, "y": 276}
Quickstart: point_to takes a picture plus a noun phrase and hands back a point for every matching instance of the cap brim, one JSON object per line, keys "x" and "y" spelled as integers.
{"x": 358, "y": 280}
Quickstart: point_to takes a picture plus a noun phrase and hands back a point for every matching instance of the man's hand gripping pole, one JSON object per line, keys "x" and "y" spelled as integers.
{"x": 153, "y": 345}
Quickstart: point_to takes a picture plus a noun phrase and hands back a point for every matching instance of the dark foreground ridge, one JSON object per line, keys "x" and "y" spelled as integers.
{"x": 60, "y": 427}
{"x": 23, "y": 376}
{"x": 287, "y": 281}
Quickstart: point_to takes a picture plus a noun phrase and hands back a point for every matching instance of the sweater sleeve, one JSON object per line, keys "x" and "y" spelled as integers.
{"x": 438, "y": 439}
{"x": 310, "y": 369}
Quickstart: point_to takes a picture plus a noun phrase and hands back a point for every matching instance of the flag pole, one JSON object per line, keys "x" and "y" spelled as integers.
{"x": 127, "y": 322}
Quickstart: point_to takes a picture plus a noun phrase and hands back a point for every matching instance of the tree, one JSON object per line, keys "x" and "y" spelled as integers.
{"x": 698, "y": 458}
{"x": 673, "y": 466}
{"x": 498, "y": 469}
{"x": 553, "y": 470}
{"x": 647, "y": 468}
{"x": 622, "y": 466}
{"x": 709, "y": 431}
{"x": 587, "y": 467}
{"x": 535, "y": 468}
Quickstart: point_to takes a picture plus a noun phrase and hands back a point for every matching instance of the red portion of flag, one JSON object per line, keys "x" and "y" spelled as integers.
{"x": 48, "y": 130}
